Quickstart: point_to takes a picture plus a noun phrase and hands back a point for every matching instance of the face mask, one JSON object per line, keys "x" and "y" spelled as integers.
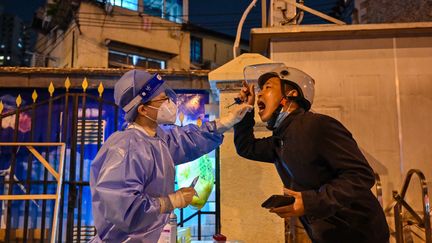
{"x": 167, "y": 113}
{"x": 282, "y": 115}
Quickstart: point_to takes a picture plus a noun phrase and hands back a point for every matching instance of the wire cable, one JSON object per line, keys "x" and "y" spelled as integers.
{"x": 240, "y": 26}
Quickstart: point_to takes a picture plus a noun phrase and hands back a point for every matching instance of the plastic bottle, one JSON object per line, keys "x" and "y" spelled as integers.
{"x": 169, "y": 233}
{"x": 173, "y": 227}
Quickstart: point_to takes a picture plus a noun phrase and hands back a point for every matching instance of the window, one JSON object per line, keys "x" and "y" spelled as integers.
{"x": 154, "y": 7}
{"x": 129, "y": 4}
{"x": 204, "y": 222}
{"x": 122, "y": 59}
{"x": 196, "y": 50}
{"x": 167, "y": 9}
{"x": 171, "y": 10}
{"x": 174, "y": 10}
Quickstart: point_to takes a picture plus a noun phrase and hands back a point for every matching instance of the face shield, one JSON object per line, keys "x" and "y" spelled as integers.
{"x": 138, "y": 87}
{"x": 258, "y": 74}
{"x": 253, "y": 73}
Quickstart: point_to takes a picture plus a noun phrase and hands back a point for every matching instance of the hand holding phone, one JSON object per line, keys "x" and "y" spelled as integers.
{"x": 276, "y": 201}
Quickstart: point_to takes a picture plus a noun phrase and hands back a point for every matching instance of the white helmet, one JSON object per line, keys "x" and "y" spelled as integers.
{"x": 305, "y": 84}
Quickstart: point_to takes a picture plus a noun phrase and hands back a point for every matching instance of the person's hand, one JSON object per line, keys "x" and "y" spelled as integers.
{"x": 233, "y": 117}
{"x": 178, "y": 199}
{"x": 182, "y": 197}
{"x": 295, "y": 209}
{"x": 247, "y": 93}
{"x": 188, "y": 193}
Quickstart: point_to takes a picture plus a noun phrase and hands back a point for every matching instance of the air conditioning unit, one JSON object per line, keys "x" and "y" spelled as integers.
{"x": 281, "y": 12}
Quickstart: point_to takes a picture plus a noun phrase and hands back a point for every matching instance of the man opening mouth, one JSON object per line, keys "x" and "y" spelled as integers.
{"x": 261, "y": 107}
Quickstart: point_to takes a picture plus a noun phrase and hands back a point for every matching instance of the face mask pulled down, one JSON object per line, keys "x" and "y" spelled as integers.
{"x": 279, "y": 115}
{"x": 282, "y": 115}
{"x": 167, "y": 113}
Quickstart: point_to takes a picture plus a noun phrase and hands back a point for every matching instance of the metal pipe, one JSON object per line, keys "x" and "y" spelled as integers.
{"x": 316, "y": 13}
{"x": 189, "y": 218}
{"x": 72, "y": 173}
{"x": 403, "y": 203}
{"x": 99, "y": 138}
{"x": 423, "y": 222}
{"x": 58, "y": 192}
{"x": 199, "y": 225}
{"x": 29, "y": 173}
{"x": 11, "y": 175}
{"x": 34, "y": 182}
{"x": 217, "y": 175}
{"x": 81, "y": 171}
{"x": 181, "y": 217}
{"x": 398, "y": 221}
{"x": 65, "y": 140}
{"x": 45, "y": 185}
{"x": 408, "y": 180}
{"x": 29, "y": 107}
{"x": 240, "y": 26}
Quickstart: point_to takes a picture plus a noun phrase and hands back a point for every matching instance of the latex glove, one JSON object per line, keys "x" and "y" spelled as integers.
{"x": 247, "y": 93}
{"x": 178, "y": 199}
{"x": 235, "y": 116}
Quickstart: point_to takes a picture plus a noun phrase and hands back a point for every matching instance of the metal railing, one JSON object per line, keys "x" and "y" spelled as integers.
{"x": 422, "y": 222}
{"x": 378, "y": 189}
{"x": 58, "y": 175}
{"x": 59, "y": 118}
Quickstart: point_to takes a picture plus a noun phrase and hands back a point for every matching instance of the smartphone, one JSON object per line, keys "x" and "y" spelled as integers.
{"x": 276, "y": 201}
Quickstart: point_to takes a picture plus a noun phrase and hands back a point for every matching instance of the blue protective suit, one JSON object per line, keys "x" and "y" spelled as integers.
{"x": 132, "y": 170}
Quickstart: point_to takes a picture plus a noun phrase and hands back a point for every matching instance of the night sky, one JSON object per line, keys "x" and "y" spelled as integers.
{"x": 224, "y": 15}
{"x": 22, "y": 8}
{"x": 221, "y": 15}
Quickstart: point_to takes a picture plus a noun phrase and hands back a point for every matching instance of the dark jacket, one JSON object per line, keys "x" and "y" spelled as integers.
{"x": 316, "y": 155}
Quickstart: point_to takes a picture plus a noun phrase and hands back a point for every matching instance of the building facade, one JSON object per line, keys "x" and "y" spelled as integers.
{"x": 14, "y": 41}
{"x": 119, "y": 34}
